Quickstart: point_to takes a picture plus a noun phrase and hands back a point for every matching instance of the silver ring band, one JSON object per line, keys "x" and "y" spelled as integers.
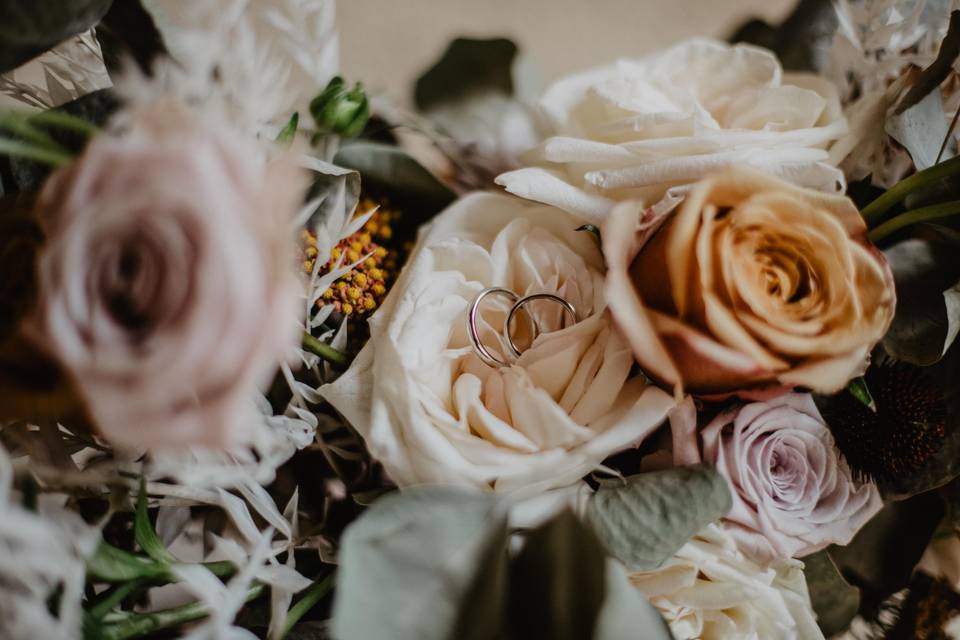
{"x": 508, "y": 340}
{"x": 474, "y": 332}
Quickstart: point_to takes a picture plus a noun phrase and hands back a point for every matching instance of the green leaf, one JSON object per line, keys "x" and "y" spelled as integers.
{"x": 286, "y": 135}
{"x": 625, "y": 610}
{"x": 800, "y": 40}
{"x": 558, "y": 582}
{"x": 30, "y": 27}
{"x": 468, "y": 67}
{"x": 110, "y": 564}
{"x": 408, "y": 562}
{"x": 834, "y": 600}
{"x": 926, "y": 275}
{"x": 646, "y": 519}
{"x": 858, "y": 389}
{"x": 144, "y": 533}
{"x": 387, "y": 169}
{"x": 938, "y": 70}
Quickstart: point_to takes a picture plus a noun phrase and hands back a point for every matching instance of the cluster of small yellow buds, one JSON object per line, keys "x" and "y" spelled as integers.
{"x": 363, "y": 288}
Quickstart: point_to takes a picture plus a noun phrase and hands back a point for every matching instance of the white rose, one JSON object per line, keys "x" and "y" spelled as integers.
{"x": 637, "y": 128}
{"x": 432, "y": 412}
{"x": 709, "y": 590}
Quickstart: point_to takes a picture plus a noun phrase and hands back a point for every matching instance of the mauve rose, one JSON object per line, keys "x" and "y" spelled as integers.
{"x": 167, "y": 285}
{"x": 793, "y": 494}
{"x": 753, "y": 284}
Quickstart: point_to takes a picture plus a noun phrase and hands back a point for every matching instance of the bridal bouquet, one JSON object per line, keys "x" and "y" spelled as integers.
{"x": 665, "y": 349}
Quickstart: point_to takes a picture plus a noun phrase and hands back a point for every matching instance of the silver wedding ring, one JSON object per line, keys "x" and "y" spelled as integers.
{"x": 518, "y": 303}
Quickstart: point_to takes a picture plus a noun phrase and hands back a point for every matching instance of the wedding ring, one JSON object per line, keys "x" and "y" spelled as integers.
{"x": 569, "y": 308}
{"x": 488, "y": 358}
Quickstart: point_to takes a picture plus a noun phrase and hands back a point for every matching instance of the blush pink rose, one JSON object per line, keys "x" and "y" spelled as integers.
{"x": 793, "y": 494}
{"x": 168, "y": 289}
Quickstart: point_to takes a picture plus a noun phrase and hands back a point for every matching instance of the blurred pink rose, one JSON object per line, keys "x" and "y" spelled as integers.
{"x": 167, "y": 285}
{"x": 793, "y": 494}
{"x": 753, "y": 284}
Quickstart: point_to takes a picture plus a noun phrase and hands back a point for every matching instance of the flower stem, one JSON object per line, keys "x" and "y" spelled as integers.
{"x": 322, "y": 349}
{"x": 63, "y": 120}
{"x": 314, "y": 594}
{"x": 924, "y": 214}
{"x": 37, "y": 154}
{"x": 113, "y": 597}
{"x": 873, "y": 212}
{"x": 141, "y": 624}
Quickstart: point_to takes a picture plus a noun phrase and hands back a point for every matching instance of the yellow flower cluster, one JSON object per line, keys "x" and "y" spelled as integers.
{"x": 363, "y": 288}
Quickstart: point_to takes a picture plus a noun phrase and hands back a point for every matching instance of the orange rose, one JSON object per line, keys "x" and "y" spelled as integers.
{"x": 753, "y": 283}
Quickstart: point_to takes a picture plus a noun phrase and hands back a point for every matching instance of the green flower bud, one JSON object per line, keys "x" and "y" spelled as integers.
{"x": 341, "y": 110}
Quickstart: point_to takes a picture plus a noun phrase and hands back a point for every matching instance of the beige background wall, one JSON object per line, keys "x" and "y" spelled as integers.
{"x": 387, "y": 43}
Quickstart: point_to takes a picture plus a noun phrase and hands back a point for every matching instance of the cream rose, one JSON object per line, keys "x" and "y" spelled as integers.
{"x": 793, "y": 493}
{"x": 432, "y": 412}
{"x": 636, "y": 128}
{"x": 710, "y": 591}
{"x": 168, "y": 288}
{"x": 752, "y": 283}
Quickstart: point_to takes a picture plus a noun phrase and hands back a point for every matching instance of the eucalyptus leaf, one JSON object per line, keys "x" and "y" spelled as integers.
{"x": 408, "y": 562}
{"x": 834, "y": 600}
{"x": 921, "y": 129}
{"x": 801, "y": 41}
{"x": 558, "y": 582}
{"x": 926, "y": 274}
{"x": 625, "y": 611}
{"x": 645, "y": 520}
{"x": 389, "y": 170}
{"x": 30, "y": 27}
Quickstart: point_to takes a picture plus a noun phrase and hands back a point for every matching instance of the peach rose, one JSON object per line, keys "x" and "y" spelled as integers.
{"x": 168, "y": 289}
{"x": 753, "y": 283}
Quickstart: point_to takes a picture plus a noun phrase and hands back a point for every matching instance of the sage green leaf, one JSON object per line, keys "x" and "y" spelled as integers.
{"x": 407, "y": 564}
{"x": 646, "y": 519}
{"x": 926, "y": 275}
{"x": 625, "y": 611}
{"x": 558, "y": 582}
{"x": 834, "y": 600}
{"x": 145, "y": 534}
{"x": 387, "y": 169}
{"x": 30, "y": 27}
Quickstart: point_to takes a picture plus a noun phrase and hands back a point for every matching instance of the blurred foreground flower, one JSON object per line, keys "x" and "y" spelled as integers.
{"x": 167, "y": 286}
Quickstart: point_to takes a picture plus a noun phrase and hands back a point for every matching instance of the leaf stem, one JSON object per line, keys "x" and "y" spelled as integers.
{"x": 141, "y": 624}
{"x": 22, "y": 150}
{"x": 873, "y": 212}
{"x": 63, "y": 120}
{"x": 322, "y": 349}
{"x": 924, "y": 214}
{"x": 112, "y": 598}
{"x": 311, "y": 596}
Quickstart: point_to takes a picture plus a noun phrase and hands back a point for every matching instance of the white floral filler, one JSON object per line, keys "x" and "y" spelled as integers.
{"x": 40, "y": 552}
{"x": 642, "y": 129}
{"x": 432, "y": 412}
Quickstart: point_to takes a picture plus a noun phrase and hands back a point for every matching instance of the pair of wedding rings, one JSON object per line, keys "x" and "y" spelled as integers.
{"x": 506, "y": 339}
